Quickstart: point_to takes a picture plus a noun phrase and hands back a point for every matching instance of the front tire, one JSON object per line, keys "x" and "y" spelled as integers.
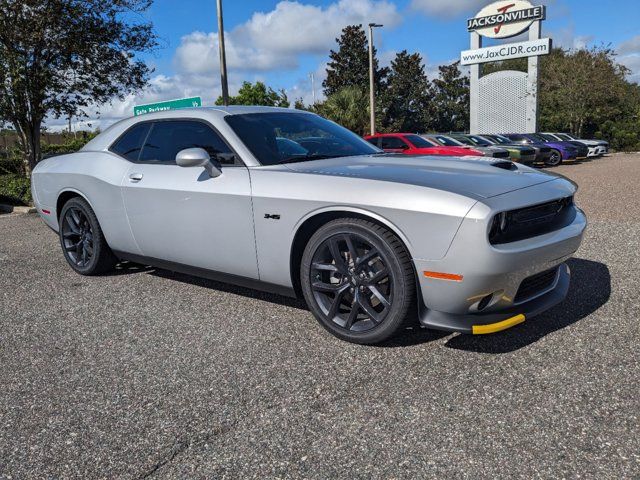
{"x": 555, "y": 159}
{"x": 358, "y": 280}
{"x": 83, "y": 244}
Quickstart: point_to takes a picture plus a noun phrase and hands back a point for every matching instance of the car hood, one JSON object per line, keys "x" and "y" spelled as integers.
{"x": 513, "y": 146}
{"x": 476, "y": 177}
{"x": 590, "y": 143}
{"x": 443, "y": 150}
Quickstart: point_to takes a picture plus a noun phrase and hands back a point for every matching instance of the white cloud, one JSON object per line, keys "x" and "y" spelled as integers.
{"x": 448, "y": 8}
{"x": 566, "y": 37}
{"x": 160, "y": 88}
{"x": 276, "y": 39}
{"x": 631, "y": 46}
{"x": 629, "y": 55}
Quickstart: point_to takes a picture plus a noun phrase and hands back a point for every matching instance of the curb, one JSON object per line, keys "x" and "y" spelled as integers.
{"x": 18, "y": 210}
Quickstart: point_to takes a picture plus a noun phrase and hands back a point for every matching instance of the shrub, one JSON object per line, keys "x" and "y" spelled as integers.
{"x": 15, "y": 189}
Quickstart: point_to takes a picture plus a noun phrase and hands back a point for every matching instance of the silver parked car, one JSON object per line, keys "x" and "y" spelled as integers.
{"x": 597, "y": 148}
{"x": 287, "y": 201}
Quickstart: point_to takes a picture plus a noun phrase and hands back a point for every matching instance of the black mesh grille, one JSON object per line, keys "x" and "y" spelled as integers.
{"x": 536, "y": 284}
{"x": 532, "y": 221}
{"x": 528, "y": 151}
{"x": 500, "y": 154}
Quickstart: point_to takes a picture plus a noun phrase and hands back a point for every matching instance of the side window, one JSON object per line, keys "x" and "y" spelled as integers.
{"x": 167, "y": 138}
{"x": 130, "y": 143}
{"x": 374, "y": 141}
{"x": 393, "y": 143}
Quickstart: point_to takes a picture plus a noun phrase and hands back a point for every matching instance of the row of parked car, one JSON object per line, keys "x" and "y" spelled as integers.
{"x": 550, "y": 149}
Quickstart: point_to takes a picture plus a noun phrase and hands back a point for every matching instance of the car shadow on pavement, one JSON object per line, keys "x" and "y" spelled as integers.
{"x": 590, "y": 289}
{"x": 230, "y": 288}
{"x": 127, "y": 268}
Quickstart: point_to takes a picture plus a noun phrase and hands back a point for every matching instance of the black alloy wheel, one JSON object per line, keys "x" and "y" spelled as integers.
{"x": 358, "y": 280}
{"x": 82, "y": 240}
{"x": 554, "y": 159}
{"x": 77, "y": 237}
{"x": 351, "y": 282}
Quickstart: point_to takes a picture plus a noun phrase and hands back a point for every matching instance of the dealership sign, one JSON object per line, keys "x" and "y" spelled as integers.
{"x": 168, "y": 105}
{"x": 505, "y": 18}
{"x": 499, "y": 53}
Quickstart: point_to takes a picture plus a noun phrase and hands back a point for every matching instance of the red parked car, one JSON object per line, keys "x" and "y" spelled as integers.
{"x": 412, "y": 144}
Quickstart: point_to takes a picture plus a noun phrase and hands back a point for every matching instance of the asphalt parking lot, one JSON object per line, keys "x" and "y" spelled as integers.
{"x": 147, "y": 373}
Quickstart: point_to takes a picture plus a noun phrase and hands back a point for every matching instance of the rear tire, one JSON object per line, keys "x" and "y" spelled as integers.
{"x": 554, "y": 159}
{"x": 358, "y": 280}
{"x": 83, "y": 244}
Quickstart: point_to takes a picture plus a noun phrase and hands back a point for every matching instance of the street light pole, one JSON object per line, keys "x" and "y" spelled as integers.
{"x": 313, "y": 87}
{"x": 223, "y": 56}
{"x": 372, "y": 96}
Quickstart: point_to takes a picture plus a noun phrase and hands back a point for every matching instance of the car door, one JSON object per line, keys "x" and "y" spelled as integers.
{"x": 393, "y": 144}
{"x": 183, "y": 215}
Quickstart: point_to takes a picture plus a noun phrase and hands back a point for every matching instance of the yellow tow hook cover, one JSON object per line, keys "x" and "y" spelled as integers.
{"x": 498, "y": 326}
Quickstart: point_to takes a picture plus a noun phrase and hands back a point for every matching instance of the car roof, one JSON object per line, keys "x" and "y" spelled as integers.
{"x": 215, "y": 114}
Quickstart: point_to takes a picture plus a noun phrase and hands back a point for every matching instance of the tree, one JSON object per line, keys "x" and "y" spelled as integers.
{"x": 407, "y": 99}
{"x": 349, "y": 65}
{"x": 348, "y": 107}
{"x": 258, "y": 94}
{"x": 579, "y": 90}
{"x": 61, "y": 56}
{"x": 451, "y": 100}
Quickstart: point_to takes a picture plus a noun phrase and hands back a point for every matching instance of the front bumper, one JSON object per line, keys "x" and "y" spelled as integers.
{"x": 492, "y": 322}
{"x": 542, "y": 157}
{"x": 497, "y": 271}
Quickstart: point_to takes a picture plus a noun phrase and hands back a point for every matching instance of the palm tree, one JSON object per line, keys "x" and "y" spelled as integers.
{"x": 348, "y": 107}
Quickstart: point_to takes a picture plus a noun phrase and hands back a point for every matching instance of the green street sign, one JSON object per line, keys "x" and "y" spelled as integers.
{"x": 169, "y": 105}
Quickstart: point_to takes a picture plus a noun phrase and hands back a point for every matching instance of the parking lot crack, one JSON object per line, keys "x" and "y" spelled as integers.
{"x": 179, "y": 446}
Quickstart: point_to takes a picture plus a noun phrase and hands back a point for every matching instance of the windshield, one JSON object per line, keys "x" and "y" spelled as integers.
{"x": 448, "y": 141}
{"x": 490, "y": 141}
{"x": 499, "y": 139}
{"x": 537, "y": 137}
{"x": 564, "y": 136}
{"x": 464, "y": 140}
{"x": 279, "y": 137}
{"x": 479, "y": 141}
{"x": 419, "y": 142}
{"x": 547, "y": 137}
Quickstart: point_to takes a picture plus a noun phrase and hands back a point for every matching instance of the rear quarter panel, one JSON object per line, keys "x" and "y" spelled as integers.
{"x": 95, "y": 176}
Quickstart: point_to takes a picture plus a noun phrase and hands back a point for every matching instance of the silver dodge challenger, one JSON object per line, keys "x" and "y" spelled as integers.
{"x": 289, "y": 202}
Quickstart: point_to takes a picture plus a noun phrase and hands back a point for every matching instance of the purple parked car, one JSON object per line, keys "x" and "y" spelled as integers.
{"x": 560, "y": 151}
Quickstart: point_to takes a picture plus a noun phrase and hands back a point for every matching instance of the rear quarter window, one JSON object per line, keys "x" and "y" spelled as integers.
{"x": 130, "y": 142}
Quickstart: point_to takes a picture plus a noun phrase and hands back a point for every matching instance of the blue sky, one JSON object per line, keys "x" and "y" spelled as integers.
{"x": 282, "y": 42}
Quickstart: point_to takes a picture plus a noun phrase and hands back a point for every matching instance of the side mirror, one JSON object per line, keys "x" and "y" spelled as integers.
{"x": 198, "y": 157}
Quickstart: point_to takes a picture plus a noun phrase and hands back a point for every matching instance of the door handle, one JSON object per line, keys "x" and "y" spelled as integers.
{"x": 135, "y": 177}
